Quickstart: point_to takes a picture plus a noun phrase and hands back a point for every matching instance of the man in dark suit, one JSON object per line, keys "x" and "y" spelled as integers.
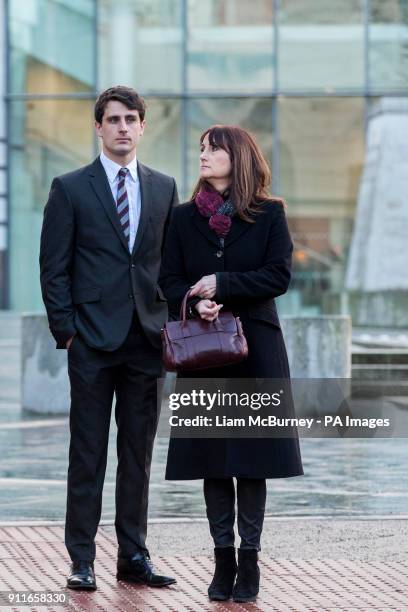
{"x": 101, "y": 244}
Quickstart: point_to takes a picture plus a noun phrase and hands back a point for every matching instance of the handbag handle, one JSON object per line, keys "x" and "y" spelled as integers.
{"x": 183, "y": 308}
{"x": 183, "y": 313}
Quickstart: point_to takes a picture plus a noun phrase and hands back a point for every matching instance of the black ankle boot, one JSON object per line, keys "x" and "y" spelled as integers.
{"x": 221, "y": 586}
{"x": 247, "y": 585}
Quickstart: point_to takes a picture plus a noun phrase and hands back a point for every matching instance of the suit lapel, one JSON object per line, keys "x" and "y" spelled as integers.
{"x": 100, "y": 185}
{"x": 145, "y": 181}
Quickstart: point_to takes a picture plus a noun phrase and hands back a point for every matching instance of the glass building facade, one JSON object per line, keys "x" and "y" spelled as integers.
{"x": 301, "y": 75}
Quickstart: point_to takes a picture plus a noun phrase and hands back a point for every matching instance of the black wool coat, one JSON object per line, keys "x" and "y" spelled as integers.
{"x": 252, "y": 269}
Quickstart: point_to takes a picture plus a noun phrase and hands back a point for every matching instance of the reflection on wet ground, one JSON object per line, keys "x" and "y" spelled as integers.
{"x": 350, "y": 477}
{"x": 342, "y": 477}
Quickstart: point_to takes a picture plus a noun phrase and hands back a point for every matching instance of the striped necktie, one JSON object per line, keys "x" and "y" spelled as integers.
{"x": 122, "y": 203}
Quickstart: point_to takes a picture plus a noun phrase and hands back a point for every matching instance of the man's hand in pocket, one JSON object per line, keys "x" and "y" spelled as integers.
{"x": 69, "y": 342}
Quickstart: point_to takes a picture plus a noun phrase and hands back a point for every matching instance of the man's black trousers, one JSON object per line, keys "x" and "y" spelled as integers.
{"x": 130, "y": 373}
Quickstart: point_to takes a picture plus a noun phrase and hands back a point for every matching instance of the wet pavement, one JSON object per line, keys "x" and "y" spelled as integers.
{"x": 353, "y": 477}
{"x": 343, "y": 477}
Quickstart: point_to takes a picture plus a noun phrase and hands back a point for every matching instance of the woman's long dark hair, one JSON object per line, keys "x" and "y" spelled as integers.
{"x": 250, "y": 174}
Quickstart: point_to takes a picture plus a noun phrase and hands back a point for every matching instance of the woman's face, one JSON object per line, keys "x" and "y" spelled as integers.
{"x": 215, "y": 163}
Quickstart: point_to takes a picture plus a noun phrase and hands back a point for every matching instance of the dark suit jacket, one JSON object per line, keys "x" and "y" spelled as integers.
{"x": 90, "y": 282}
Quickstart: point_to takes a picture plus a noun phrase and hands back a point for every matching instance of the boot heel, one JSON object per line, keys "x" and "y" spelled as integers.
{"x": 222, "y": 583}
{"x": 246, "y": 587}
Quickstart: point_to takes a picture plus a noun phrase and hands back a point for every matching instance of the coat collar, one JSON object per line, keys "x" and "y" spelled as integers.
{"x": 100, "y": 185}
{"x": 238, "y": 227}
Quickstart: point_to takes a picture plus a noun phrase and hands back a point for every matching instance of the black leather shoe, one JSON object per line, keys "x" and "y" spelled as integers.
{"x": 82, "y": 576}
{"x": 221, "y": 586}
{"x": 246, "y": 587}
{"x": 140, "y": 569}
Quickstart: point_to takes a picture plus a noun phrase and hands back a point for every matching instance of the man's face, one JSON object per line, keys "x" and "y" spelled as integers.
{"x": 120, "y": 129}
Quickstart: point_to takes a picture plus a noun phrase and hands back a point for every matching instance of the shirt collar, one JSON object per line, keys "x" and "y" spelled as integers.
{"x": 112, "y": 168}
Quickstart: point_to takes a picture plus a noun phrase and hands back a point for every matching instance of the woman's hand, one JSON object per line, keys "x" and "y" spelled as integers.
{"x": 205, "y": 287}
{"x": 208, "y": 310}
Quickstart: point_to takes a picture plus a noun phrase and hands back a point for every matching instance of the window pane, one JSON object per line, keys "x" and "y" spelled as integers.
{"x": 252, "y": 114}
{"x": 140, "y": 44}
{"x": 160, "y": 146}
{"x": 321, "y": 159}
{"x": 388, "y": 47}
{"x": 51, "y": 46}
{"x": 321, "y": 44}
{"x": 230, "y": 45}
{"x": 48, "y": 138}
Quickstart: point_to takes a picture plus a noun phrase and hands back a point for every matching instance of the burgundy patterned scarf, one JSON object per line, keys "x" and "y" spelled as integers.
{"x": 219, "y": 211}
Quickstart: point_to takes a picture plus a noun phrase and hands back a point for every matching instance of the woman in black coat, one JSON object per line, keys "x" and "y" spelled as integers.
{"x": 231, "y": 245}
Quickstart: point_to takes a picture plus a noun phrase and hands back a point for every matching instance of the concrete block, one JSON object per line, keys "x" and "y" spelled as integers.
{"x": 319, "y": 350}
{"x": 379, "y": 309}
{"x": 318, "y": 347}
{"x": 44, "y": 377}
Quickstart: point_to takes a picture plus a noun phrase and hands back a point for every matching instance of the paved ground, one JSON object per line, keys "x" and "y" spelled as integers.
{"x": 33, "y": 559}
{"x": 316, "y": 564}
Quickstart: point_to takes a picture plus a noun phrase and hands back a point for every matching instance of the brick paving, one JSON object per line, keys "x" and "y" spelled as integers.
{"x": 33, "y": 558}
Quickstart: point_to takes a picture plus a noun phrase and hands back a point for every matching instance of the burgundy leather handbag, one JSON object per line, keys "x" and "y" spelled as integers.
{"x": 195, "y": 344}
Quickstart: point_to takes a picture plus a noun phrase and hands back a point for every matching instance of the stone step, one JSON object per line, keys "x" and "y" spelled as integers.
{"x": 367, "y": 338}
{"x": 377, "y": 356}
{"x": 379, "y": 372}
{"x": 380, "y": 388}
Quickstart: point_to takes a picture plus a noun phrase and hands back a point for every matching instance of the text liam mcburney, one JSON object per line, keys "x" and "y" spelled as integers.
{"x": 273, "y": 421}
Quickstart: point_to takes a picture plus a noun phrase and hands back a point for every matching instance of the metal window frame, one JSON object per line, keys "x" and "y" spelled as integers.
{"x": 5, "y": 289}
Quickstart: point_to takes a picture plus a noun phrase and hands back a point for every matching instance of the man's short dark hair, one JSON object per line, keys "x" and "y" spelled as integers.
{"x": 128, "y": 96}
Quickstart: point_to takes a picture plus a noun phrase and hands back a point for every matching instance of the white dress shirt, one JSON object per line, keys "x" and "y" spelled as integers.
{"x": 132, "y": 188}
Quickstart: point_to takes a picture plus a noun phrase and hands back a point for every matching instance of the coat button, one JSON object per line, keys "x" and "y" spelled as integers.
{"x": 219, "y": 254}
{"x": 132, "y": 265}
{"x": 130, "y": 296}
